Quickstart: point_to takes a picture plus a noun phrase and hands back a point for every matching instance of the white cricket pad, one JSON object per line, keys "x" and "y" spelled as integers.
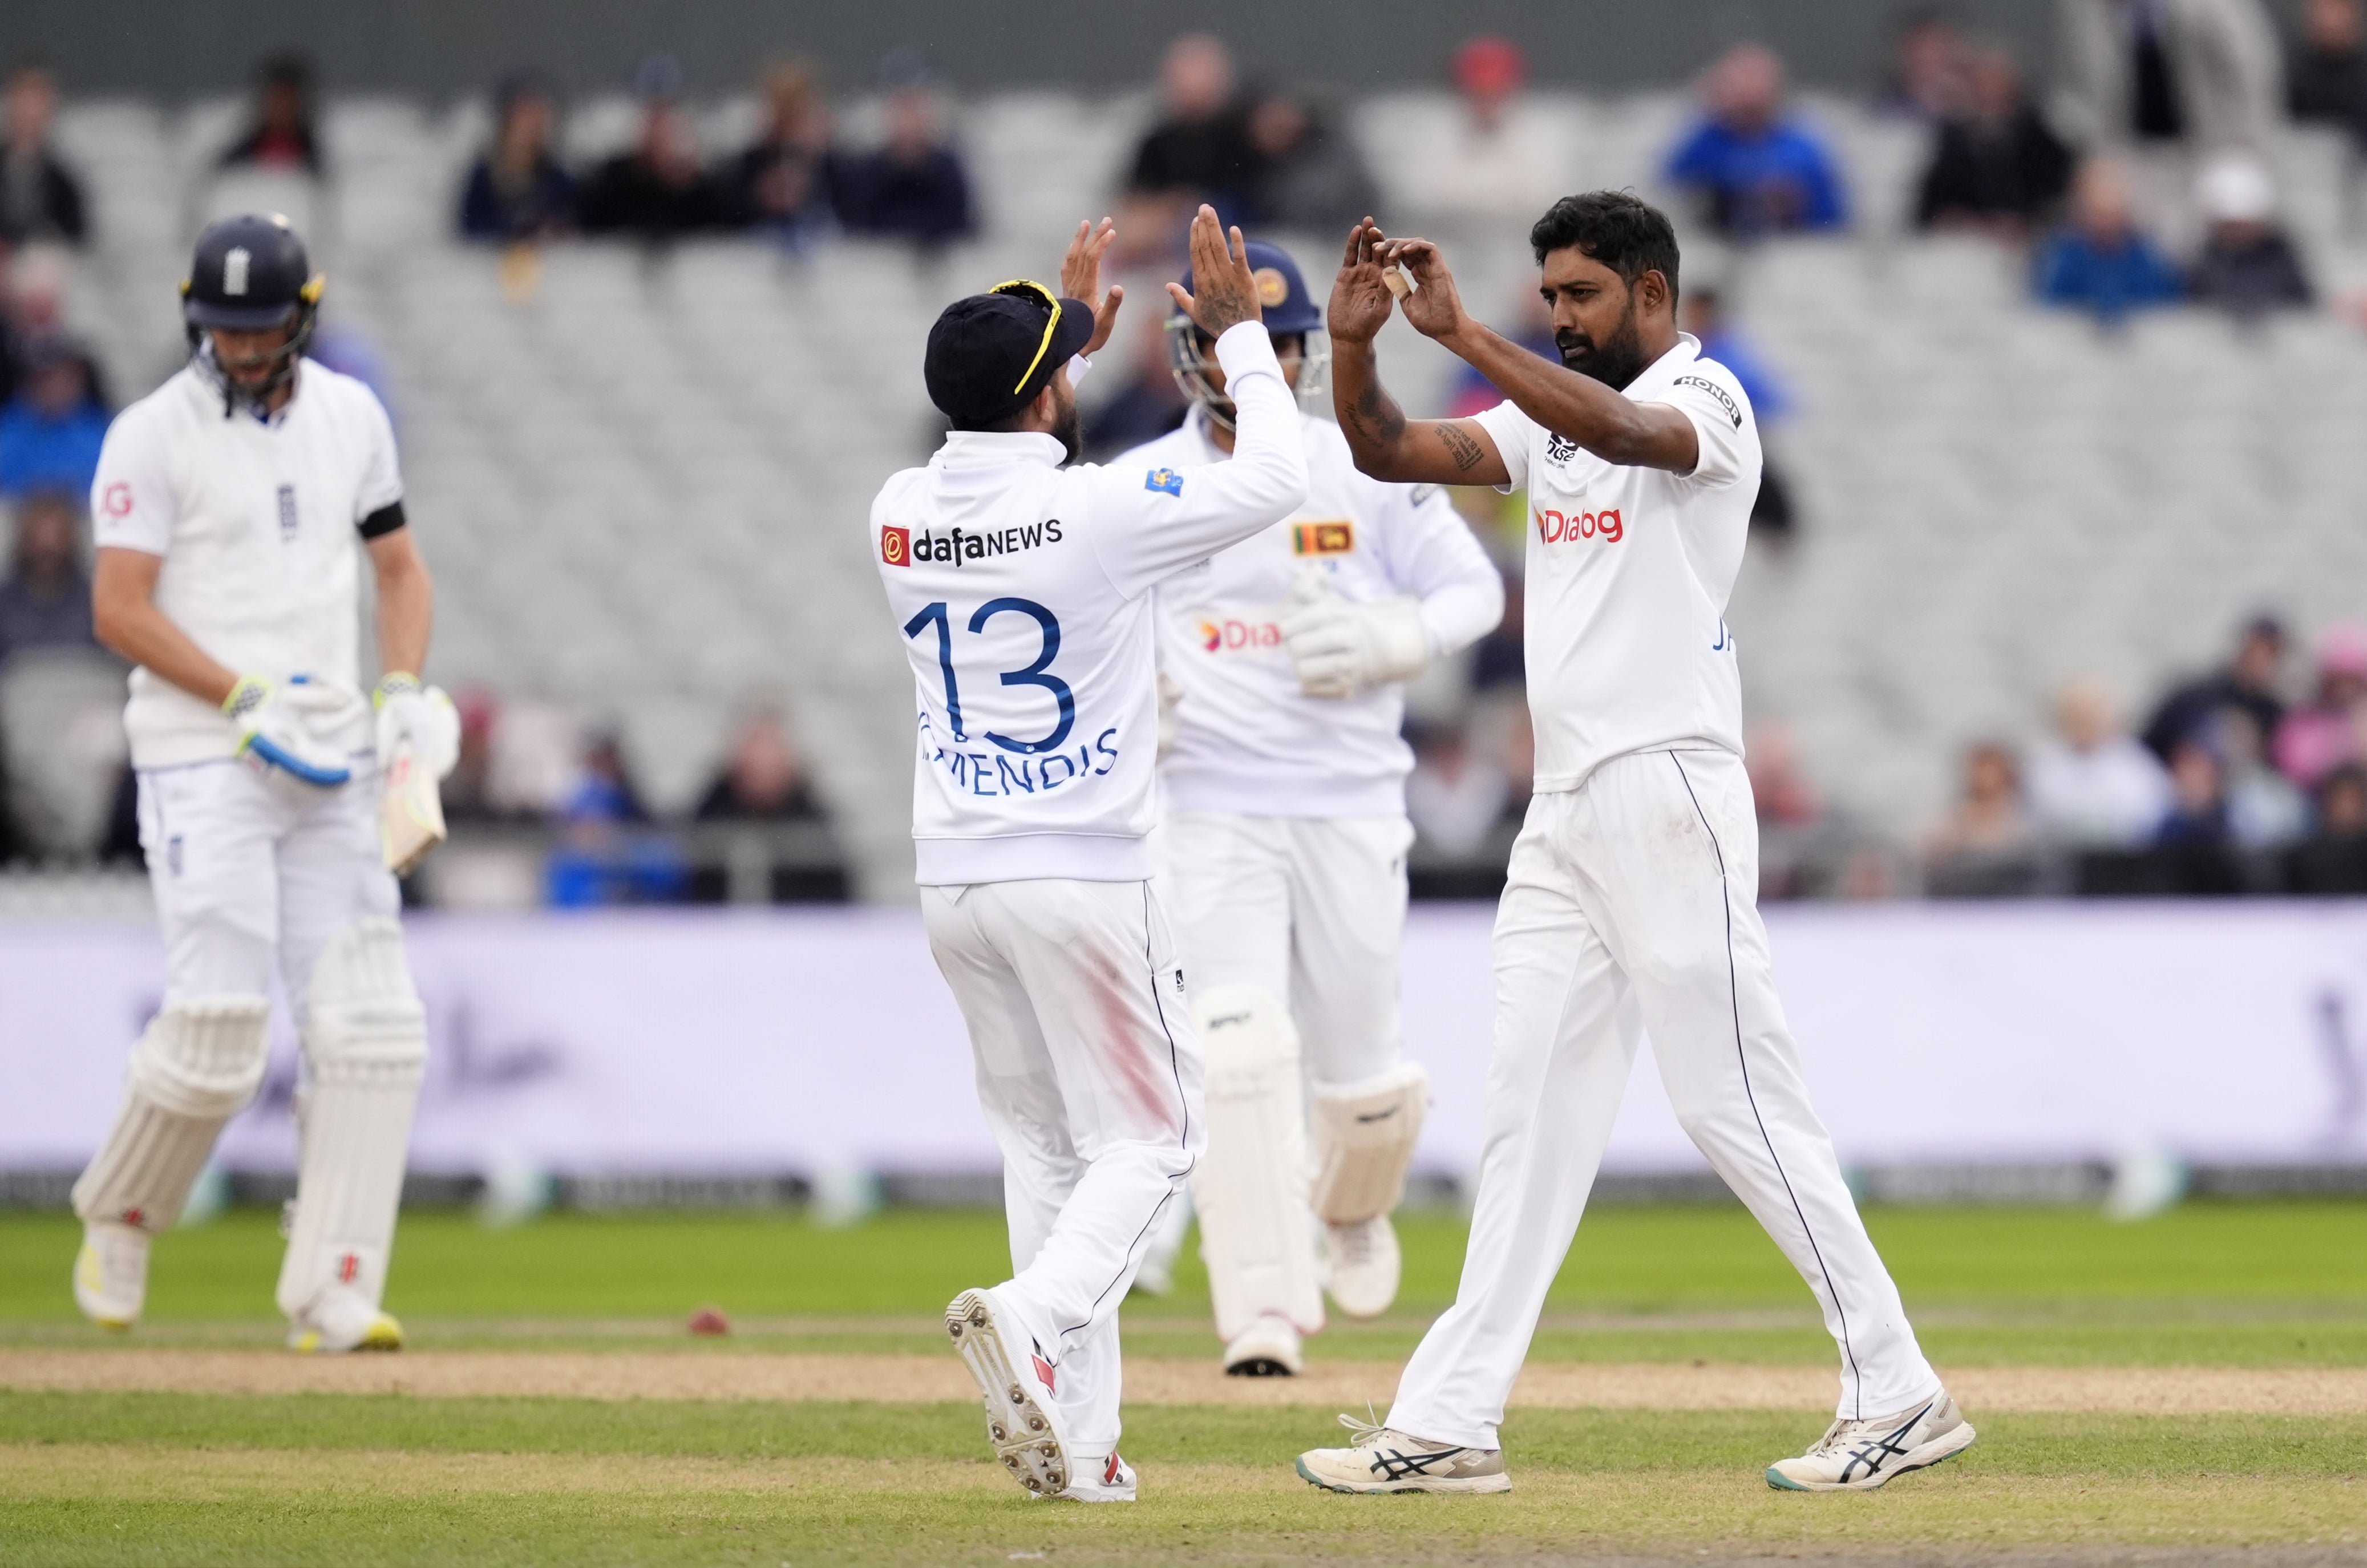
{"x": 197, "y": 1065}
{"x": 1257, "y": 1233}
{"x": 366, "y": 1046}
{"x": 1365, "y": 1135}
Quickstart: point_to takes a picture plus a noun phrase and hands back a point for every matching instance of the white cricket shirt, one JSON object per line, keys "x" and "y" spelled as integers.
{"x": 1022, "y": 592}
{"x": 256, "y": 521}
{"x": 1247, "y": 740}
{"x": 1628, "y": 577}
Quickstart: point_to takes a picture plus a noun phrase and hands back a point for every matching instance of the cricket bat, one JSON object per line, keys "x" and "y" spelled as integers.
{"x": 411, "y": 812}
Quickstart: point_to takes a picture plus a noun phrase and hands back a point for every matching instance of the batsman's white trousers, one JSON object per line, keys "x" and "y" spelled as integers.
{"x": 1642, "y": 885}
{"x": 1089, "y": 1074}
{"x": 251, "y": 867}
{"x": 1307, "y": 909}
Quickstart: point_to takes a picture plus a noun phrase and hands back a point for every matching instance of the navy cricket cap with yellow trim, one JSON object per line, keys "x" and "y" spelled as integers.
{"x": 990, "y": 354}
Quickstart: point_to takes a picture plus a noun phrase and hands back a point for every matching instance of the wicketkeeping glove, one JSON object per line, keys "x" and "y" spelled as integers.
{"x": 278, "y": 722}
{"x": 421, "y": 715}
{"x": 1341, "y": 649}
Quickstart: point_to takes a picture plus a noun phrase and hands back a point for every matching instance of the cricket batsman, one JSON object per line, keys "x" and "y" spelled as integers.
{"x": 1022, "y": 589}
{"x": 1286, "y": 840}
{"x": 1634, "y": 879}
{"x": 231, "y": 506}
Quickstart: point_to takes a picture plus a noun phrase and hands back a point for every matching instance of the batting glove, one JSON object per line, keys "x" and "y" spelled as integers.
{"x": 421, "y": 715}
{"x": 276, "y": 724}
{"x": 1341, "y": 649}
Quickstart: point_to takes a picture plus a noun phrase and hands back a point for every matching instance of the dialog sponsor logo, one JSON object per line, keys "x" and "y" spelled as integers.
{"x": 1236, "y": 634}
{"x": 1553, "y": 527}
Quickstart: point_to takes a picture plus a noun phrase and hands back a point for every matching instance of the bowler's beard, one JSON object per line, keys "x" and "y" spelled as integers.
{"x": 1614, "y": 362}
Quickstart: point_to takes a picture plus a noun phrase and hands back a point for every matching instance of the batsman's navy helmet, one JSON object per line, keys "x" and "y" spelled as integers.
{"x": 1283, "y": 300}
{"x": 249, "y": 274}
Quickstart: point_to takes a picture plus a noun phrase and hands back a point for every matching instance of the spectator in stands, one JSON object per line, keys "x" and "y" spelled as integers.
{"x": 2198, "y": 803}
{"x": 596, "y": 861}
{"x": 1307, "y": 173}
{"x": 1986, "y": 847}
{"x": 1498, "y": 164}
{"x": 45, "y": 600}
{"x": 517, "y": 192}
{"x": 1997, "y": 167}
{"x": 781, "y": 185}
{"x": 2099, "y": 262}
{"x": 2317, "y": 738}
{"x": 2093, "y": 785}
{"x": 1702, "y": 309}
{"x": 913, "y": 187}
{"x": 1199, "y": 147}
{"x": 603, "y": 789}
{"x": 51, "y": 431}
{"x": 281, "y": 135}
{"x": 2326, "y": 67}
{"x": 1928, "y": 60}
{"x": 2196, "y": 75}
{"x": 1754, "y": 169}
{"x": 1454, "y": 795}
{"x": 763, "y": 778}
{"x": 657, "y": 190}
{"x": 2265, "y": 811}
{"x": 2246, "y": 268}
{"x": 2333, "y": 860}
{"x": 40, "y": 197}
{"x": 2249, "y": 681}
{"x": 1779, "y": 785}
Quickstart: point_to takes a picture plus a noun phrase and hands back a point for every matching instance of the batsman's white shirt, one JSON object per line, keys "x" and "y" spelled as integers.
{"x": 1023, "y": 592}
{"x": 1628, "y": 573}
{"x": 256, "y": 521}
{"x": 1247, "y": 740}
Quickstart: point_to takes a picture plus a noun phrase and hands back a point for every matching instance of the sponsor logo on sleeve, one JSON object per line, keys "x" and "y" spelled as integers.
{"x": 1167, "y": 481}
{"x": 1422, "y": 495}
{"x": 896, "y": 545}
{"x": 1559, "y": 448}
{"x": 116, "y": 501}
{"x": 1336, "y": 537}
{"x": 1725, "y": 398}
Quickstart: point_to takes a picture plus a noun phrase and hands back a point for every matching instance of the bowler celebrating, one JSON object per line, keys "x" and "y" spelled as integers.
{"x": 1286, "y": 840}
{"x": 1022, "y": 589}
{"x": 1636, "y": 875}
{"x": 230, "y": 508}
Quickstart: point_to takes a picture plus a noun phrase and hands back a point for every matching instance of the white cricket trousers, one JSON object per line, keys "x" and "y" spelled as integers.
{"x": 1642, "y": 883}
{"x": 1089, "y": 1074}
{"x": 253, "y": 866}
{"x": 1310, "y": 910}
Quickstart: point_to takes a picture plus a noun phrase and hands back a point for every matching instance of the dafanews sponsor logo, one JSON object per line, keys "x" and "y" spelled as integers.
{"x": 1333, "y": 537}
{"x": 959, "y": 547}
{"x": 1725, "y": 398}
{"x": 1217, "y": 632}
{"x": 1553, "y": 527}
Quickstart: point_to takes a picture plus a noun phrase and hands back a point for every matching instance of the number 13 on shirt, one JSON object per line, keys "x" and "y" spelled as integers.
{"x": 1038, "y": 673}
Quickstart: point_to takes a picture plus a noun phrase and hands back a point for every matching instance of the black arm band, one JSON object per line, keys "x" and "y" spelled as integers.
{"x": 385, "y": 520}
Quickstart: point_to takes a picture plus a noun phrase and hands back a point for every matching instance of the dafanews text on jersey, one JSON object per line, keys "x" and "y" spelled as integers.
{"x": 1022, "y": 591}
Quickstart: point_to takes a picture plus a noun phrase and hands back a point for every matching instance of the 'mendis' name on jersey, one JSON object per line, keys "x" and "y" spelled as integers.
{"x": 901, "y": 546}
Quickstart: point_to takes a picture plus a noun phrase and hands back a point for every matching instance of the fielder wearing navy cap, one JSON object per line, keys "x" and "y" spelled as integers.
{"x": 992, "y": 354}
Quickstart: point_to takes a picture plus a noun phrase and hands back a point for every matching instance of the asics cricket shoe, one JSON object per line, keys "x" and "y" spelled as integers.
{"x": 1381, "y": 1460}
{"x": 1108, "y": 1480}
{"x": 1017, "y": 1387}
{"x": 1857, "y": 1456}
{"x": 110, "y": 1275}
{"x": 1268, "y": 1348}
{"x": 341, "y": 1320}
{"x": 1365, "y": 1266}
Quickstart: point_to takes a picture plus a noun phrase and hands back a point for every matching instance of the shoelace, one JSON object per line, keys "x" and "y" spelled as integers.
{"x": 1364, "y": 1431}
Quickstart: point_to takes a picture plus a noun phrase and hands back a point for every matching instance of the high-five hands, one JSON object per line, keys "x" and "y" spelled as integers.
{"x": 1080, "y": 278}
{"x": 1220, "y": 269}
{"x": 1360, "y": 295}
{"x": 1434, "y": 308}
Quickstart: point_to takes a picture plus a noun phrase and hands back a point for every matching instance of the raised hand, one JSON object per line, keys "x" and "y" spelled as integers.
{"x": 1360, "y": 298}
{"x": 1080, "y": 278}
{"x": 1434, "y": 308}
{"x": 1220, "y": 266}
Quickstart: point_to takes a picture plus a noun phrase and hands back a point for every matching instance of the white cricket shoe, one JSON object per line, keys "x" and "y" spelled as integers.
{"x": 340, "y": 1320}
{"x": 1108, "y": 1480}
{"x": 1857, "y": 1456}
{"x": 1268, "y": 1348}
{"x": 110, "y": 1275}
{"x": 1381, "y": 1460}
{"x": 1021, "y": 1420}
{"x": 1365, "y": 1266}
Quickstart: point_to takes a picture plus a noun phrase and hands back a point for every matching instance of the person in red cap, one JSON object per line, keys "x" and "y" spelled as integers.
{"x": 1497, "y": 160}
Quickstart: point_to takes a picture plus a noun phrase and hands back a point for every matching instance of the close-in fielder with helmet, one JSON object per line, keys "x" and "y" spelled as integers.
{"x": 231, "y": 506}
{"x": 1286, "y": 839}
{"x": 1020, "y": 588}
{"x": 1632, "y": 896}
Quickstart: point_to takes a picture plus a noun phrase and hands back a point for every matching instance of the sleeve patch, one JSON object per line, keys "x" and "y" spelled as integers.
{"x": 1165, "y": 481}
{"x": 1422, "y": 495}
{"x": 1725, "y": 400}
{"x": 385, "y": 520}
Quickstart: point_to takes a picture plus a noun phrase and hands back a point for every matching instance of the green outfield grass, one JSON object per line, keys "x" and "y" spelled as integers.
{"x": 201, "y": 1479}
